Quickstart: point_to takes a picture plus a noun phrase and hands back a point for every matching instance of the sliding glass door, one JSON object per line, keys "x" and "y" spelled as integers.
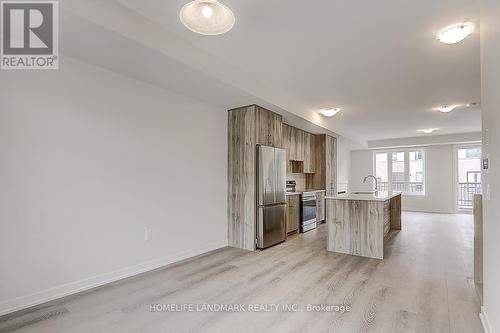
{"x": 468, "y": 175}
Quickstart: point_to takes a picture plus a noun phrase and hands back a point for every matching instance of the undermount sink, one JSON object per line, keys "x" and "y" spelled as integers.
{"x": 372, "y": 192}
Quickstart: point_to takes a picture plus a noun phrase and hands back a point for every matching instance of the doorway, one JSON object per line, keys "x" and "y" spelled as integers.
{"x": 468, "y": 180}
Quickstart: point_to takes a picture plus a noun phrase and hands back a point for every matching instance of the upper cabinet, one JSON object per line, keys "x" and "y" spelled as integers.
{"x": 300, "y": 149}
{"x": 269, "y": 128}
{"x": 290, "y": 142}
{"x": 298, "y": 140}
{"x": 309, "y": 153}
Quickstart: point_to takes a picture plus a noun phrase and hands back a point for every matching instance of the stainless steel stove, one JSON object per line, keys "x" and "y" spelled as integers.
{"x": 308, "y": 211}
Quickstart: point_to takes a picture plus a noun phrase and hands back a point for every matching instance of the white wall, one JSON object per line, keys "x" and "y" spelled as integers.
{"x": 300, "y": 179}
{"x": 361, "y": 166}
{"x": 490, "y": 100}
{"x": 343, "y": 164}
{"x": 440, "y": 191}
{"x": 89, "y": 160}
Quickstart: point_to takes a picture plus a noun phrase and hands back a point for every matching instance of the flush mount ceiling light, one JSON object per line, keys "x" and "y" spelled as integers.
{"x": 446, "y": 108}
{"x": 207, "y": 17}
{"x": 456, "y": 33}
{"x": 329, "y": 112}
{"x": 428, "y": 130}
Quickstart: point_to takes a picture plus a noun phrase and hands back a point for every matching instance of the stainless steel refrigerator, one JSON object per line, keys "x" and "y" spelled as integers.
{"x": 271, "y": 199}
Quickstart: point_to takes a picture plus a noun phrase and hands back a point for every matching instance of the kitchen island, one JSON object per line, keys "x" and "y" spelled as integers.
{"x": 360, "y": 223}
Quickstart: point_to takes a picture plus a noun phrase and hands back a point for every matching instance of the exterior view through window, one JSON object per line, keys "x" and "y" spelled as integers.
{"x": 405, "y": 172}
{"x": 469, "y": 175}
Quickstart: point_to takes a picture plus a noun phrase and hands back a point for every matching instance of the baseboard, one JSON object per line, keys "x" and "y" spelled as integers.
{"x": 71, "y": 288}
{"x": 484, "y": 321}
{"x": 429, "y": 212}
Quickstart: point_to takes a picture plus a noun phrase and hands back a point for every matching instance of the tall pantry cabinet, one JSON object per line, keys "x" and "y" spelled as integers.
{"x": 325, "y": 155}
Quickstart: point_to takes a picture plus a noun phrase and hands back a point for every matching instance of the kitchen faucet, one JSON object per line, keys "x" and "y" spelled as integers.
{"x": 376, "y": 181}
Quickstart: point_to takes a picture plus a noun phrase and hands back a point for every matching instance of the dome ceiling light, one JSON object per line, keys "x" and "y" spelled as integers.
{"x": 207, "y": 17}
{"x": 456, "y": 33}
{"x": 329, "y": 112}
{"x": 428, "y": 130}
{"x": 446, "y": 108}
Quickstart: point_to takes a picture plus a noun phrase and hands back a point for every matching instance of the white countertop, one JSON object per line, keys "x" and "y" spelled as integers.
{"x": 380, "y": 196}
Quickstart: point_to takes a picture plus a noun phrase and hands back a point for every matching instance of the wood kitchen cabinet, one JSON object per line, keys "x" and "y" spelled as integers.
{"x": 309, "y": 153}
{"x": 300, "y": 147}
{"x": 294, "y": 137}
{"x": 298, "y": 136}
{"x": 287, "y": 145}
{"x": 292, "y": 213}
{"x": 320, "y": 206}
{"x": 330, "y": 164}
{"x": 361, "y": 227}
{"x": 290, "y": 137}
{"x": 396, "y": 213}
{"x": 269, "y": 128}
{"x": 247, "y": 127}
{"x": 325, "y": 173}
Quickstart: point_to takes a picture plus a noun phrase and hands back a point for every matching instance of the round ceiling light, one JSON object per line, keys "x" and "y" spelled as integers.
{"x": 428, "y": 130}
{"x": 329, "y": 112}
{"x": 446, "y": 108}
{"x": 207, "y": 17}
{"x": 456, "y": 33}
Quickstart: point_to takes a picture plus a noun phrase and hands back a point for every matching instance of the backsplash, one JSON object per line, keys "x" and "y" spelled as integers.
{"x": 343, "y": 187}
{"x": 300, "y": 179}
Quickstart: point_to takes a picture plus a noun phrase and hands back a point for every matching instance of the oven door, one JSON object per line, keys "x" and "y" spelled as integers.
{"x": 308, "y": 212}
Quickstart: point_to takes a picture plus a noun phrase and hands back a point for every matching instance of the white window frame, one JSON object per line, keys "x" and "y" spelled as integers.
{"x": 406, "y": 151}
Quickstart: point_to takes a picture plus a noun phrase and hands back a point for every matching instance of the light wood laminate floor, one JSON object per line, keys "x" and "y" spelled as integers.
{"x": 425, "y": 284}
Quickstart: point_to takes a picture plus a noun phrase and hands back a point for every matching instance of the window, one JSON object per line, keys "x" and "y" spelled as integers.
{"x": 405, "y": 173}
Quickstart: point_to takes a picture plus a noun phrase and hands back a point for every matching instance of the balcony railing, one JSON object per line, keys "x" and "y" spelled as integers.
{"x": 466, "y": 193}
{"x": 382, "y": 186}
{"x": 413, "y": 187}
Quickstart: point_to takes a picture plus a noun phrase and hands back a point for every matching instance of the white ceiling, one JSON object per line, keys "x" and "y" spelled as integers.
{"x": 378, "y": 60}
